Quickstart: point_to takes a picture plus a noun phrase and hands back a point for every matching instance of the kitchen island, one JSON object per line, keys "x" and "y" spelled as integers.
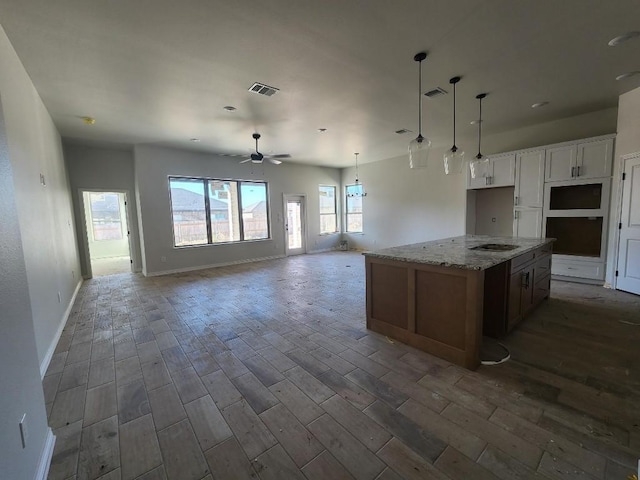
{"x": 441, "y": 296}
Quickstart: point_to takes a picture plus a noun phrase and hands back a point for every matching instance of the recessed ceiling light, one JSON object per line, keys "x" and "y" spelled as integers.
{"x": 230, "y": 108}
{"x": 475, "y": 122}
{"x": 539, "y": 104}
{"x": 194, "y": 140}
{"x": 89, "y": 120}
{"x": 614, "y": 42}
{"x": 322, "y": 130}
{"x": 627, "y": 75}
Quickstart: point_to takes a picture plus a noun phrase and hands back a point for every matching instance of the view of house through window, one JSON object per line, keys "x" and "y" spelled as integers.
{"x": 354, "y": 208}
{"x": 328, "y": 209}
{"x": 207, "y": 211}
{"x": 105, "y": 216}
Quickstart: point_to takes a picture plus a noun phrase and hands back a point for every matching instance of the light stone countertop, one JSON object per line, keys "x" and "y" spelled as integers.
{"x": 456, "y": 252}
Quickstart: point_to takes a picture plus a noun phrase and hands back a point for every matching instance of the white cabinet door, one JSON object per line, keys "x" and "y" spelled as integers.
{"x": 503, "y": 170}
{"x": 594, "y": 159}
{"x": 560, "y": 163}
{"x": 628, "y": 269}
{"x": 527, "y": 222}
{"x": 478, "y": 182}
{"x": 529, "y": 191}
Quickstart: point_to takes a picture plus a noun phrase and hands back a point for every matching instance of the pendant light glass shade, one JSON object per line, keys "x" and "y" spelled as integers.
{"x": 419, "y": 147}
{"x": 454, "y": 157}
{"x": 479, "y": 167}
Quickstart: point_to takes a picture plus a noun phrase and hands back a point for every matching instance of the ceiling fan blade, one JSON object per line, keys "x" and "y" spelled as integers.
{"x": 273, "y": 160}
{"x": 246, "y": 160}
{"x": 281, "y": 155}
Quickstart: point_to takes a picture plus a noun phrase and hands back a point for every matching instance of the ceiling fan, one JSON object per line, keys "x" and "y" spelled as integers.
{"x": 258, "y": 157}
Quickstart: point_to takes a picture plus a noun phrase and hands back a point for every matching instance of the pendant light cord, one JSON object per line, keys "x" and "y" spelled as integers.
{"x": 480, "y": 97}
{"x": 454, "y": 118}
{"x": 420, "y": 99}
{"x": 357, "y": 167}
{"x": 480, "y": 129}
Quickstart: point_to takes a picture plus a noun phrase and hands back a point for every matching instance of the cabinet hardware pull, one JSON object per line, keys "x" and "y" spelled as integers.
{"x": 578, "y": 171}
{"x": 516, "y": 200}
{"x": 525, "y": 280}
{"x": 573, "y": 172}
{"x": 486, "y": 180}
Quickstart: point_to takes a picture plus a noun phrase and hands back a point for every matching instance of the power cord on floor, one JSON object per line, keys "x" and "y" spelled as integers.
{"x": 498, "y": 362}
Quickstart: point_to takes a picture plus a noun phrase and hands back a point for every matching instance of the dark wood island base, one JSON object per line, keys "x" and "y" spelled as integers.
{"x": 444, "y": 310}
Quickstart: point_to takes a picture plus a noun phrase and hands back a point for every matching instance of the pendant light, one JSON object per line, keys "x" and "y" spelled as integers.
{"x": 357, "y": 189}
{"x": 419, "y": 146}
{"x": 454, "y": 157}
{"x": 480, "y": 165}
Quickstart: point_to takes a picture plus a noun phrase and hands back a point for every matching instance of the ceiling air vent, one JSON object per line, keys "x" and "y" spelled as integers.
{"x": 263, "y": 89}
{"x": 402, "y": 131}
{"x": 436, "y": 92}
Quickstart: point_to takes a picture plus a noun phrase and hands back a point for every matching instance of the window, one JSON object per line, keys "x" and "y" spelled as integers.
{"x": 105, "y": 216}
{"x": 328, "y": 209}
{"x": 354, "y": 208}
{"x": 207, "y": 211}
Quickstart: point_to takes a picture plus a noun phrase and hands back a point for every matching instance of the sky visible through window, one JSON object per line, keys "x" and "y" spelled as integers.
{"x": 250, "y": 193}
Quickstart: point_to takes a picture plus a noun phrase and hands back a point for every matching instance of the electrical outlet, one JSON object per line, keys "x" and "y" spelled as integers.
{"x": 24, "y": 433}
{"x": 59, "y": 298}
{"x": 493, "y": 219}
{"x": 43, "y": 182}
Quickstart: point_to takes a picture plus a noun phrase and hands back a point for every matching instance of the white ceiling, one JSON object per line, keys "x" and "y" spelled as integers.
{"x": 161, "y": 71}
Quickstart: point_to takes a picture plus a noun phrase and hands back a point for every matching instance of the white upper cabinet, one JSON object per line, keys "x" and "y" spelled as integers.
{"x": 580, "y": 161}
{"x": 594, "y": 159}
{"x": 561, "y": 163}
{"x": 529, "y": 185}
{"x": 501, "y": 173}
{"x": 504, "y": 170}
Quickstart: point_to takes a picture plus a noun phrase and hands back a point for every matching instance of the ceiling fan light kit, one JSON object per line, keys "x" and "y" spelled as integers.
{"x": 419, "y": 146}
{"x": 480, "y": 165}
{"x": 259, "y": 158}
{"x": 454, "y": 157}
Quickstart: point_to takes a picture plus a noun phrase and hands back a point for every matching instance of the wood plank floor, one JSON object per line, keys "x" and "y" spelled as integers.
{"x": 266, "y": 370}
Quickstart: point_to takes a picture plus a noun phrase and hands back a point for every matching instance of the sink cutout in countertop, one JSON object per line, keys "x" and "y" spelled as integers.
{"x": 495, "y": 247}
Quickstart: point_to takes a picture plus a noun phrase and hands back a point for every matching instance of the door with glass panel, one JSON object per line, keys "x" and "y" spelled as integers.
{"x": 294, "y": 225}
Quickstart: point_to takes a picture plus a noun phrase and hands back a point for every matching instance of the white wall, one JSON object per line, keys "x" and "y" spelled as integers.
{"x": 407, "y": 206}
{"x": 104, "y": 168}
{"x": 153, "y": 166}
{"x": 627, "y": 142}
{"x": 45, "y": 212}
{"x": 30, "y": 278}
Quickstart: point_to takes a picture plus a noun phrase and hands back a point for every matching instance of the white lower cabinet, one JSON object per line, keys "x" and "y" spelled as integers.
{"x": 527, "y": 222}
{"x": 577, "y": 268}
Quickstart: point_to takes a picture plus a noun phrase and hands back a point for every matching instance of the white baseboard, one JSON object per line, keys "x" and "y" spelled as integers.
{"x": 54, "y": 342}
{"x": 45, "y": 458}
{"x": 213, "y": 265}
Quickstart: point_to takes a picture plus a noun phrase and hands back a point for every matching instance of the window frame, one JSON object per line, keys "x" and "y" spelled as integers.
{"x": 204, "y": 181}
{"x": 346, "y": 210}
{"x": 335, "y": 209}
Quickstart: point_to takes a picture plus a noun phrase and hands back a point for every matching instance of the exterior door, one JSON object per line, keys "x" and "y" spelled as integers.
{"x": 295, "y": 225}
{"x": 628, "y": 269}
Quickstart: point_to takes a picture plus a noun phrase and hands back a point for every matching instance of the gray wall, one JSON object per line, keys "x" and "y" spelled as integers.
{"x": 407, "y": 206}
{"x": 45, "y": 213}
{"x": 153, "y": 166}
{"x": 20, "y": 385}
{"x": 105, "y": 169}
{"x": 490, "y": 204}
